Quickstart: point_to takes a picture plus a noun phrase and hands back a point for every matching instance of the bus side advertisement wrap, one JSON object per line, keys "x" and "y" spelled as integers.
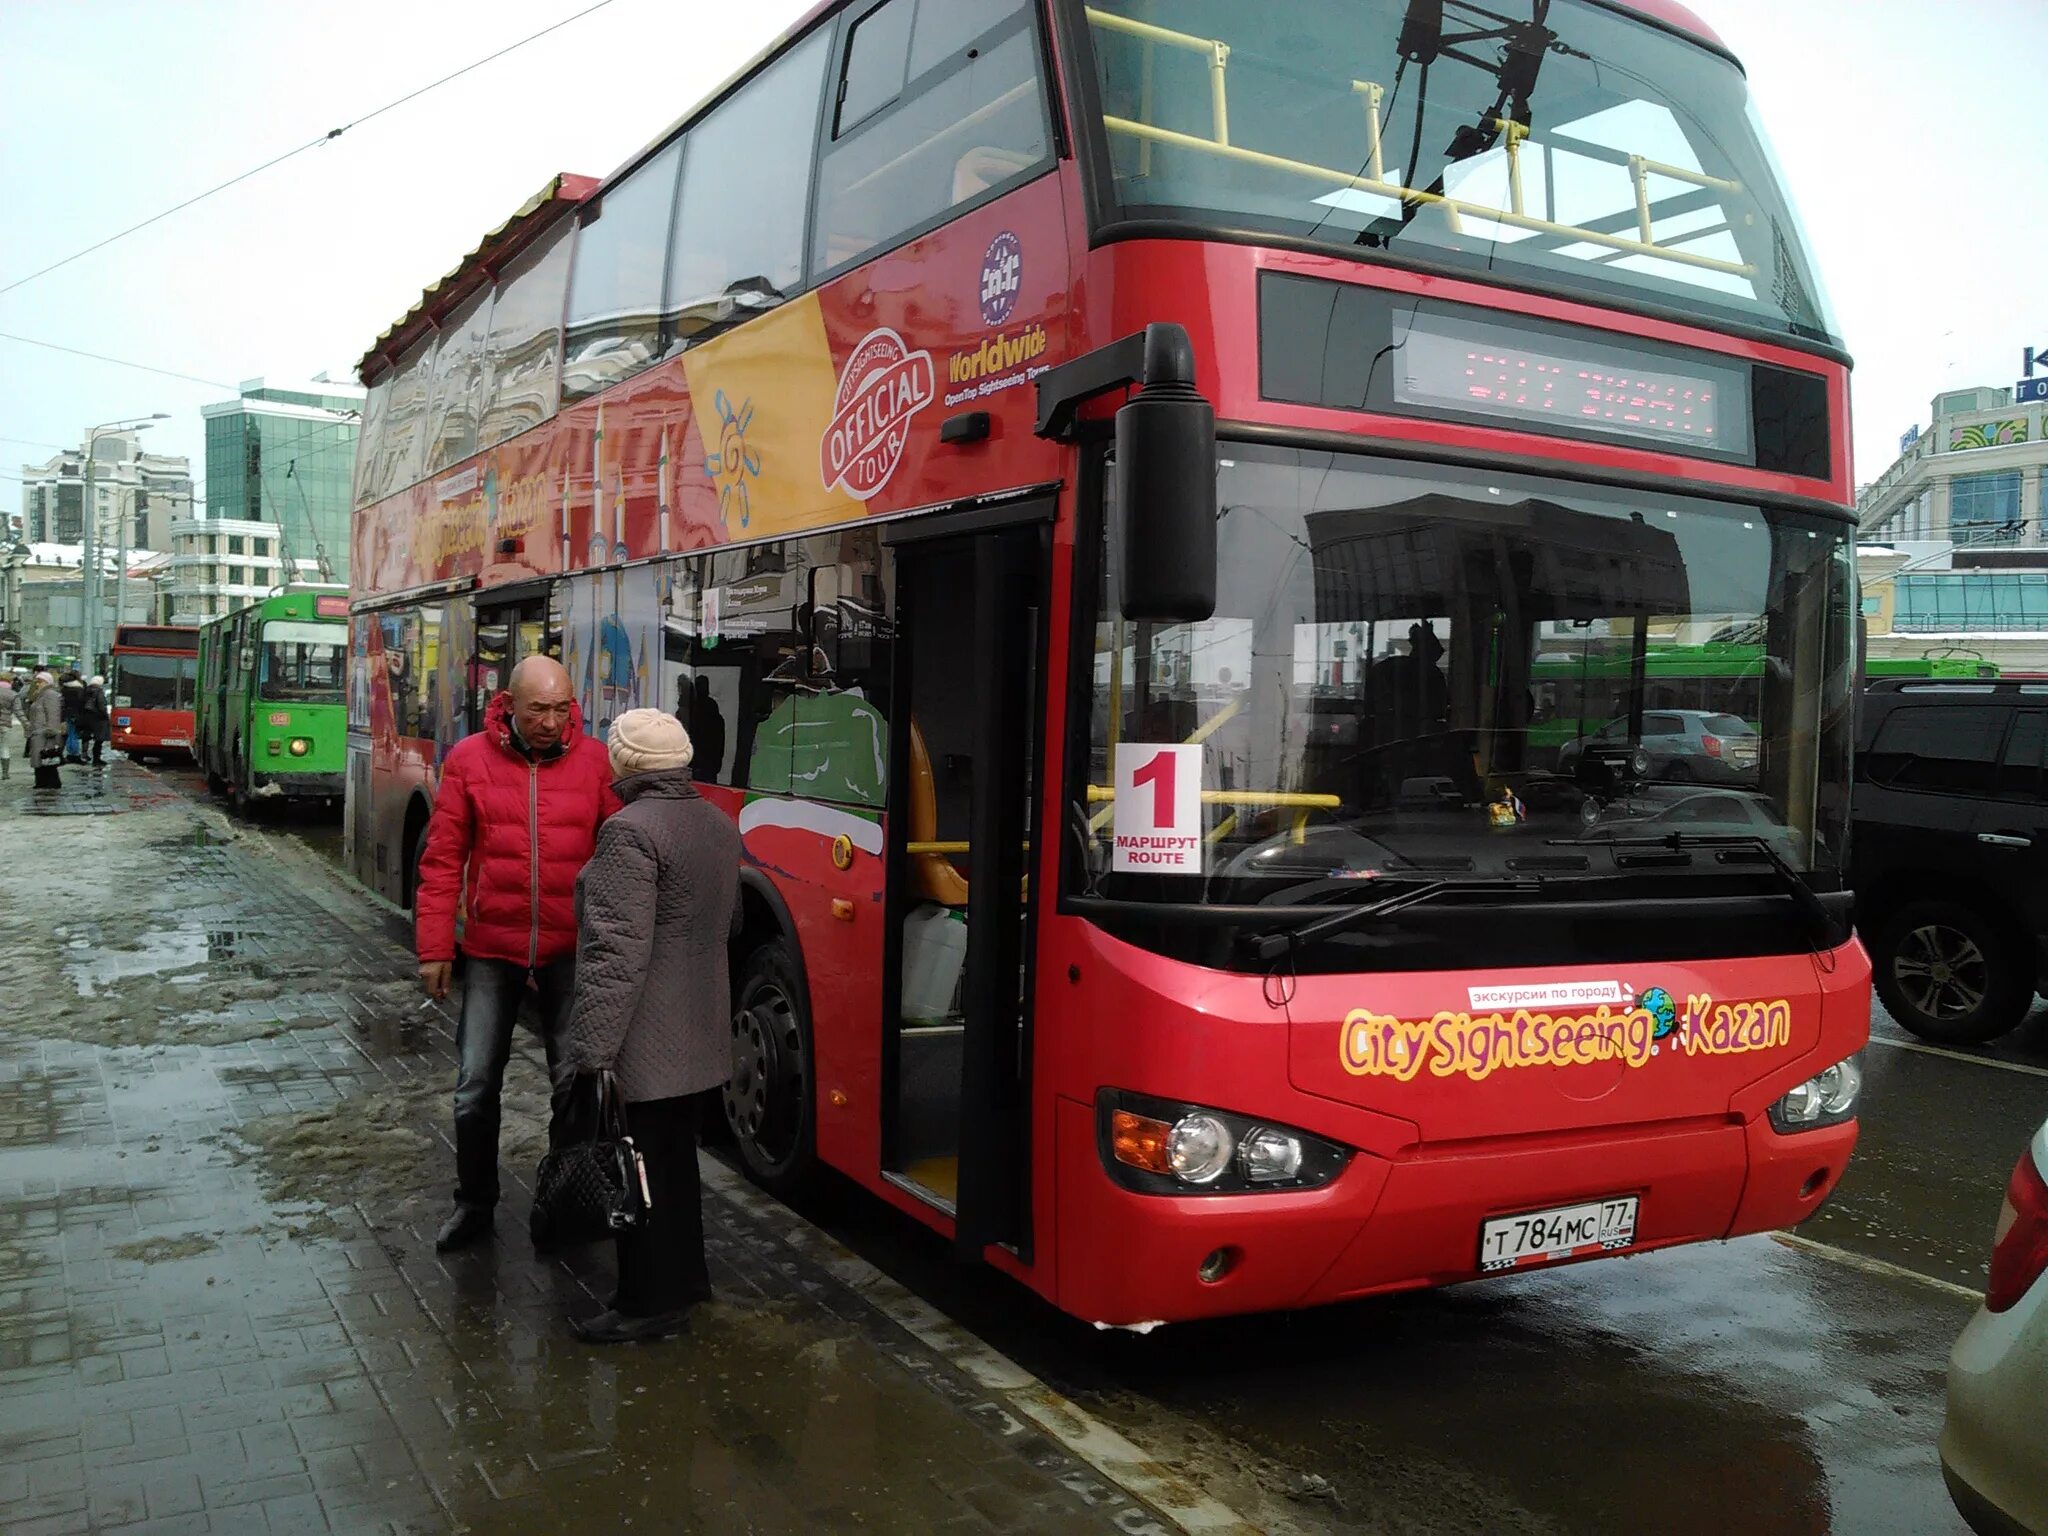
{"x": 825, "y": 408}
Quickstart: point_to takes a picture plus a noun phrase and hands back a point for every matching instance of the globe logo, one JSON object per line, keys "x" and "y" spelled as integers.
{"x": 1657, "y": 1003}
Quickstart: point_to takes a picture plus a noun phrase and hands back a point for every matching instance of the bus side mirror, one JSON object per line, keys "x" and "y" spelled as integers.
{"x": 1166, "y": 488}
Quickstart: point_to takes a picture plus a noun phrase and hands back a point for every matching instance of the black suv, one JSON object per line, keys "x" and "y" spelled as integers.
{"x": 1949, "y": 859}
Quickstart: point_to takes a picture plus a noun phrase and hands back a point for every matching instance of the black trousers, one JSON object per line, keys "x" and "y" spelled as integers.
{"x": 661, "y": 1265}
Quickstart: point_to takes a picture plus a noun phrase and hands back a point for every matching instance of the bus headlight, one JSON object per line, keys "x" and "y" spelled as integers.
{"x": 1163, "y": 1147}
{"x": 300, "y": 746}
{"x": 1198, "y": 1149}
{"x": 1827, "y": 1098}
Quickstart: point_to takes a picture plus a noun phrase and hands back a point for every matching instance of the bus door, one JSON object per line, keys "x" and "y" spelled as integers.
{"x": 970, "y": 606}
{"x": 511, "y": 624}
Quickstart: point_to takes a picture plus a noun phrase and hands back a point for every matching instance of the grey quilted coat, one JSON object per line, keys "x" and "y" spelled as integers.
{"x": 655, "y": 907}
{"x": 42, "y": 715}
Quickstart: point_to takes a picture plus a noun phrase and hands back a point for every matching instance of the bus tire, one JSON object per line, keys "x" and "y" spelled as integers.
{"x": 415, "y": 850}
{"x": 238, "y": 788}
{"x": 1950, "y": 972}
{"x": 771, "y": 1100}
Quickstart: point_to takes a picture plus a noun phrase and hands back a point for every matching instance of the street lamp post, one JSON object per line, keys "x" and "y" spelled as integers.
{"x": 89, "y": 571}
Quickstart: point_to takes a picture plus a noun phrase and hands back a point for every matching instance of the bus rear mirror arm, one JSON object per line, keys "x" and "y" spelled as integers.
{"x": 1165, "y": 467}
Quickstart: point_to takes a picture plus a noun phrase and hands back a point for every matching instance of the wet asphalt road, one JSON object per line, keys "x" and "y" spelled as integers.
{"x": 1759, "y": 1385}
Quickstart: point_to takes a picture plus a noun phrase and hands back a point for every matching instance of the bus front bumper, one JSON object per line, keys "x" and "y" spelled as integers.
{"x": 297, "y": 786}
{"x": 1404, "y": 1224}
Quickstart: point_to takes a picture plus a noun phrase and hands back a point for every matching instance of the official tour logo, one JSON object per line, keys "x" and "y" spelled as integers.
{"x": 883, "y": 385}
{"x": 1002, "y": 276}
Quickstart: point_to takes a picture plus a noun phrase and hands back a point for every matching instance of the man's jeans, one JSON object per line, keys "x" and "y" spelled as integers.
{"x": 492, "y": 991}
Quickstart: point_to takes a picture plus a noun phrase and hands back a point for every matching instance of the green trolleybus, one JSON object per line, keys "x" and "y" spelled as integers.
{"x": 271, "y": 720}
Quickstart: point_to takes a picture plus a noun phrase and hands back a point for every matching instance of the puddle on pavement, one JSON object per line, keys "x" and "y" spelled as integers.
{"x": 161, "y": 953}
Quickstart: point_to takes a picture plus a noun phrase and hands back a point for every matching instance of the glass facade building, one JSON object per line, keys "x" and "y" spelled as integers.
{"x": 1970, "y": 602}
{"x": 1985, "y": 507}
{"x": 286, "y": 457}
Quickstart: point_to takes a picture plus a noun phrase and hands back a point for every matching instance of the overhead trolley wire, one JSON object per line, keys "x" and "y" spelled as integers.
{"x": 119, "y": 362}
{"x": 276, "y": 160}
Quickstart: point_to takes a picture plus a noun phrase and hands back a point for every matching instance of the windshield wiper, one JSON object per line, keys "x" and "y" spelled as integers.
{"x": 1803, "y": 895}
{"x": 1271, "y": 946}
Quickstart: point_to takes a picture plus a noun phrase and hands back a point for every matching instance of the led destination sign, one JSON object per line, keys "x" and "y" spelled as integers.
{"x": 1601, "y": 385}
{"x": 1358, "y": 347}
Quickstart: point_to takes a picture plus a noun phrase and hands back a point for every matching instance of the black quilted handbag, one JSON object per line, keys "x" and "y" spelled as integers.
{"x": 592, "y": 1188}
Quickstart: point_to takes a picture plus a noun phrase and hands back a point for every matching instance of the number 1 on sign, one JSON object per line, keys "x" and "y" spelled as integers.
{"x": 1158, "y": 776}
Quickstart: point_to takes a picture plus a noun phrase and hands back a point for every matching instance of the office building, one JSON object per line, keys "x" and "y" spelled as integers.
{"x": 219, "y": 564}
{"x": 285, "y": 456}
{"x": 1953, "y": 558}
{"x": 150, "y": 491}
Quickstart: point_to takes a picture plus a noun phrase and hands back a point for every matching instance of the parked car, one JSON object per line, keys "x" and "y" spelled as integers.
{"x": 1949, "y": 853}
{"x": 1994, "y": 1455}
{"x": 1677, "y": 746}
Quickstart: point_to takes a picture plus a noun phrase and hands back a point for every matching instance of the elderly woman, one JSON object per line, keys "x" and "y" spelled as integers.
{"x": 42, "y": 716}
{"x": 654, "y": 908}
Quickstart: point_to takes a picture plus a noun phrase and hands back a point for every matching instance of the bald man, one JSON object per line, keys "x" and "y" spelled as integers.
{"x": 515, "y": 820}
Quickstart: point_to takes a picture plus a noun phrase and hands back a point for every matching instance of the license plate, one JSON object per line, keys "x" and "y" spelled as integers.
{"x": 1562, "y": 1232}
{"x": 177, "y": 741}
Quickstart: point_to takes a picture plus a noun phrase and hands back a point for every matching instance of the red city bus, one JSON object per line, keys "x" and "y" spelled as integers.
{"x": 1098, "y": 508}
{"x": 156, "y": 672}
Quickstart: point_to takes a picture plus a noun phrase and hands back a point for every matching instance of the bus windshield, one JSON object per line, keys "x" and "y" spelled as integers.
{"x": 1424, "y": 671}
{"x": 143, "y": 681}
{"x": 303, "y": 662}
{"x": 1584, "y": 150}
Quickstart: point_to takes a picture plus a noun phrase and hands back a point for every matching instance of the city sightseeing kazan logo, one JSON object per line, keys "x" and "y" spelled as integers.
{"x": 1557, "y": 1030}
{"x": 883, "y": 385}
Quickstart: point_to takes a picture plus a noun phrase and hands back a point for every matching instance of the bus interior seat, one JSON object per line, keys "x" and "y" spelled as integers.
{"x": 933, "y": 875}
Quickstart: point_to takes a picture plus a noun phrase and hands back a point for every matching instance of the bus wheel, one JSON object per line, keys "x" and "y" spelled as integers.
{"x": 769, "y": 1102}
{"x": 238, "y": 790}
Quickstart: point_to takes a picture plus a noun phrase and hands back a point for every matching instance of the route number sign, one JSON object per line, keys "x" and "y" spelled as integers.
{"x": 1157, "y": 827}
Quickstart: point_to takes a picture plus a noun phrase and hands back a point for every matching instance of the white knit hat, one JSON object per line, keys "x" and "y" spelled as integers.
{"x": 646, "y": 741}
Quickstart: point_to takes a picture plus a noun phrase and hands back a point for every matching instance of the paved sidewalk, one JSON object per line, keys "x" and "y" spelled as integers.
{"x": 222, "y": 1158}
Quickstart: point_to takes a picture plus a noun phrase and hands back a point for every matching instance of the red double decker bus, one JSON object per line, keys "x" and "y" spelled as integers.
{"x": 1100, "y": 507}
{"x": 155, "y": 682}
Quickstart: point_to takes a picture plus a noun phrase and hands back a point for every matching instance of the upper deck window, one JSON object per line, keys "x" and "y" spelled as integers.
{"x": 525, "y": 340}
{"x": 394, "y": 421}
{"x": 939, "y": 102}
{"x": 1586, "y": 150}
{"x": 457, "y": 386}
{"x": 739, "y": 234}
{"x": 615, "y": 283}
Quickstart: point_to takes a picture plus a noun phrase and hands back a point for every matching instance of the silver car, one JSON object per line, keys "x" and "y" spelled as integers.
{"x": 1994, "y": 1454}
{"x": 1678, "y": 746}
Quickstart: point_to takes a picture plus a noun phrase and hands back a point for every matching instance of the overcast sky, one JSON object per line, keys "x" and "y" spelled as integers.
{"x": 1908, "y": 132}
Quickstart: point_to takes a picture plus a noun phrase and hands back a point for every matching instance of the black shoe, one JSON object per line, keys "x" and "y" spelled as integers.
{"x": 470, "y": 1224}
{"x": 617, "y": 1328}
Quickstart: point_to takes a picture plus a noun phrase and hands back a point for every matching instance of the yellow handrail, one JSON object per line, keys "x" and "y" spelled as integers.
{"x": 1286, "y": 798}
{"x": 1280, "y": 799}
{"x": 1218, "y": 144}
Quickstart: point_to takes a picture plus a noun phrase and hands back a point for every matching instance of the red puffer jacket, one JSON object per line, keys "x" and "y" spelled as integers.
{"x": 509, "y": 834}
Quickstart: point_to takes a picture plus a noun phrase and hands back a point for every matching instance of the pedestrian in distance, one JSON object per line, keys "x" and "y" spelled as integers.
{"x": 73, "y": 702}
{"x": 655, "y": 909}
{"x": 42, "y": 712}
{"x": 93, "y": 721}
{"x": 10, "y": 716}
{"x": 514, "y": 822}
